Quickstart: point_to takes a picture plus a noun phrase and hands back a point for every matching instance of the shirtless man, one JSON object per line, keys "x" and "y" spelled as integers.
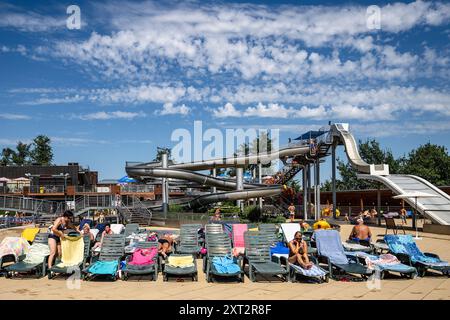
{"x": 360, "y": 231}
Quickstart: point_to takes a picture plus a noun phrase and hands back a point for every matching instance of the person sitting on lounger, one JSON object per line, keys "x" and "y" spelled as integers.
{"x": 165, "y": 245}
{"x": 360, "y": 232}
{"x": 57, "y": 233}
{"x": 87, "y": 231}
{"x": 298, "y": 252}
{"x": 107, "y": 230}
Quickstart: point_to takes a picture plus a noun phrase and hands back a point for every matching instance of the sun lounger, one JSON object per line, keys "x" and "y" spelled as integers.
{"x": 146, "y": 268}
{"x": 219, "y": 260}
{"x": 386, "y": 263}
{"x": 257, "y": 254}
{"x": 331, "y": 252}
{"x": 111, "y": 252}
{"x": 189, "y": 239}
{"x": 11, "y": 248}
{"x": 354, "y": 246}
{"x": 181, "y": 265}
{"x": 117, "y": 228}
{"x": 75, "y": 253}
{"x": 213, "y": 228}
{"x": 36, "y": 259}
{"x": 405, "y": 249}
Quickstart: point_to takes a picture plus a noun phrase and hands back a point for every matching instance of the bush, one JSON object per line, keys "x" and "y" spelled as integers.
{"x": 176, "y": 208}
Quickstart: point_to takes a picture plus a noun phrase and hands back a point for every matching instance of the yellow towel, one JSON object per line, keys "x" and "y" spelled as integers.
{"x": 253, "y": 229}
{"x": 180, "y": 261}
{"x": 29, "y": 234}
{"x": 72, "y": 249}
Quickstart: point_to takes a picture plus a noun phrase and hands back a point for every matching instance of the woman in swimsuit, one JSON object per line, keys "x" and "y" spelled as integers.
{"x": 57, "y": 233}
{"x": 298, "y": 252}
{"x": 165, "y": 245}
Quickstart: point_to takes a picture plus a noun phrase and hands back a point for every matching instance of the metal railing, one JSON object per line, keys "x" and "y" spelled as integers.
{"x": 30, "y": 205}
{"x": 137, "y": 188}
{"x": 47, "y": 189}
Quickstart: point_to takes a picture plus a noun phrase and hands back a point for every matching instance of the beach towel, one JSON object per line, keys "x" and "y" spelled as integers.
{"x": 29, "y": 234}
{"x": 349, "y": 246}
{"x": 238, "y": 230}
{"x": 384, "y": 262}
{"x": 117, "y": 228}
{"x": 329, "y": 244}
{"x": 180, "y": 261}
{"x": 72, "y": 250}
{"x": 405, "y": 244}
{"x": 104, "y": 267}
{"x": 143, "y": 256}
{"x": 279, "y": 248}
{"x": 37, "y": 253}
{"x": 289, "y": 230}
{"x": 15, "y": 246}
{"x": 315, "y": 270}
{"x": 225, "y": 265}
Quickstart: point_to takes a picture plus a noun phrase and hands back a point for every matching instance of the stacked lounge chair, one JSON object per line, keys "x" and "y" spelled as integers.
{"x": 151, "y": 267}
{"x": 189, "y": 242}
{"x": 219, "y": 260}
{"x": 36, "y": 259}
{"x": 405, "y": 249}
{"x": 257, "y": 254}
{"x": 74, "y": 260}
{"x": 331, "y": 252}
{"x": 108, "y": 262}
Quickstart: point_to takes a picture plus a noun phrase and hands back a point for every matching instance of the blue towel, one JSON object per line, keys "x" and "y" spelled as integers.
{"x": 405, "y": 244}
{"x": 329, "y": 244}
{"x": 279, "y": 248}
{"x": 104, "y": 267}
{"x": 225, "y": 265}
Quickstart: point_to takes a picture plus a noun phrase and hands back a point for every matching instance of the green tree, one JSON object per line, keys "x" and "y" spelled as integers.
{"x": 22, "y": 154}
{"x": 41, "y": 152}
{"x": 7, "y": 154}
{"x": 429, "y": 161}
{"x": 160, "y": 151}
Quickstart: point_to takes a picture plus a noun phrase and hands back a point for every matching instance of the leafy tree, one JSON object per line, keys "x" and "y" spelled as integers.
{"x": 22, "y": 155}
{"x": 7, "y": 154}
{"x": 429, "y": 161}
{"x": 41, "y": 152}
{"x": 160, "y": 151}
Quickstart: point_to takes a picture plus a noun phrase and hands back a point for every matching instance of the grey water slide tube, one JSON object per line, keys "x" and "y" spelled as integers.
{"x": 233, "y": 161}
{"x": 143, "y": 171}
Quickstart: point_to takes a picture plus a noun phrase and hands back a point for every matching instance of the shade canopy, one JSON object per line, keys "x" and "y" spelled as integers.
{"x": 126, "y": 179}
{"x": 310, "y": 135}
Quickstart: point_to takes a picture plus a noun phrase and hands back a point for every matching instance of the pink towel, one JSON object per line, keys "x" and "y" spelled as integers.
{"x": 238, "y": 234}
{"x": 143, "y": 256}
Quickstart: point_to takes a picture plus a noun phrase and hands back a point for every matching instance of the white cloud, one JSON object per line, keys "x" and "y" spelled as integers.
{"x": 12, "y": 116}
{"x": 47, "y": 101}
{"x": 114, "y": 115}
{"x": 170, "y": 109}
{"x": 228, "y": 110}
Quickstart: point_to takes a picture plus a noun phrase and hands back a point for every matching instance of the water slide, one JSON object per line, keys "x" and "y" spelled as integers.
{"x": 186, "y": 171}
{"x": 351, "y": 149}
{"x": 234, "y": 161}
{"x": 436, "y": 209}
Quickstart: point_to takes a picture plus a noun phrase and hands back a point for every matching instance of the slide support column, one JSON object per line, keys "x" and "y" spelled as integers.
{"x": 165, "y": 186}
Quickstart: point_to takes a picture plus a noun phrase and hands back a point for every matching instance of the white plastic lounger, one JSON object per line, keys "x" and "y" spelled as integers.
{"x": 289, "y": 230}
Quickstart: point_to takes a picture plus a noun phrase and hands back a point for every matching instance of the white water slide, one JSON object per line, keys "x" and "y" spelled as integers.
{"x": 436, "y": 208}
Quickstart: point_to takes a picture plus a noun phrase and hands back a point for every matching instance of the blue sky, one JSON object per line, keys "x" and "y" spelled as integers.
{"x": 117, "y": 88}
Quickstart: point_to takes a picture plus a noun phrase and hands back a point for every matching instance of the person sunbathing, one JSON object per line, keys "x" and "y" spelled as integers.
{"x": 298, "y": 252}
{"x": 86, "y": 231}
{"x": 107, "y": 230}
{"x": 165, "y": 245}
{"x": 360, "y": 232}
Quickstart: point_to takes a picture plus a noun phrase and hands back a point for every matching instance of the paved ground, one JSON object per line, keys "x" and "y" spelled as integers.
{"x": 430, "y": 287}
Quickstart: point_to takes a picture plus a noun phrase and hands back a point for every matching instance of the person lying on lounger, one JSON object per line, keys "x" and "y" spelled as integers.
{"x": 165, "y": 245}
{"x": 298, "y": 251}
{"x": 107, "y": 230}
{"x": 360, "y": 232}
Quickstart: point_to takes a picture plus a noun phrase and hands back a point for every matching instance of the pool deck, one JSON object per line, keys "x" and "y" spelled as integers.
{"x": 433, "y": 286}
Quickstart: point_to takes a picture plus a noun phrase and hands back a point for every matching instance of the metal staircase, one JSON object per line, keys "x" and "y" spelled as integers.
{"x": 288, "y": 173}
{"x": 133, "y": 210}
